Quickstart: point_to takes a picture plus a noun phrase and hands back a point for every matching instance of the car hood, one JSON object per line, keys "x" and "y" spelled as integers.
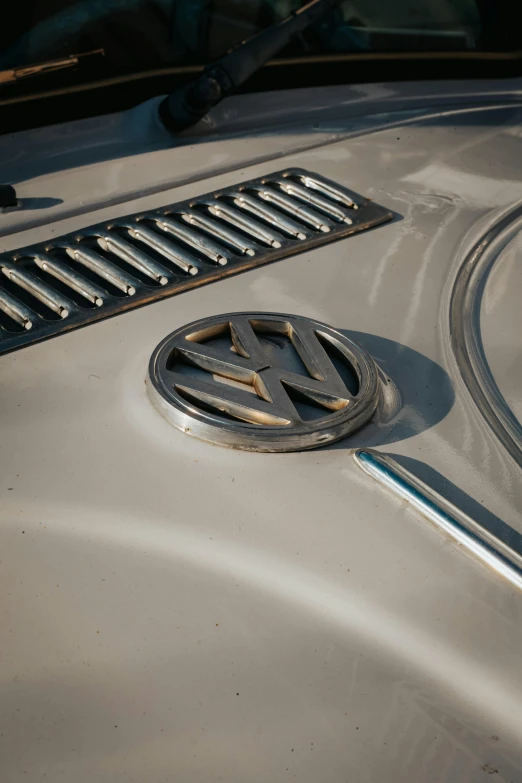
{"x": 174, "y": 610}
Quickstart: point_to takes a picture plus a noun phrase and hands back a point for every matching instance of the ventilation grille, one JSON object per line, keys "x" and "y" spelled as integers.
{"x": 92, "y": 274}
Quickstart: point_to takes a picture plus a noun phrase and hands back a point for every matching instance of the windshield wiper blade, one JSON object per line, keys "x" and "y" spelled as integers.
{"x": 11, "y": 75}
{"x": 187, "y": 105}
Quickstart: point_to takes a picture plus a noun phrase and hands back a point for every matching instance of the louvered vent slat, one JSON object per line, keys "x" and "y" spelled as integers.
{"x": 198, "y": 242}
{"x": 305, "y": 194}
{"x": 221, "y": 232}
{"x": 103, "y": 269}
{"x": 295, "y": 208}
{"x": 110, "y": 268}
{"x": 260, "y": 210}
{"x": 17, "y": 311}
{"x": 72, "y": 279}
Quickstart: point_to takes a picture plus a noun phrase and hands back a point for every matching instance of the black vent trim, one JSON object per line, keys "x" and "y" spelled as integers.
{"x": 104, "y": 270}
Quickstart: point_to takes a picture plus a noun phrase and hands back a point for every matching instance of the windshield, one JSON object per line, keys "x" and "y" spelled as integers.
{"x": 136, "y": 35}
{"x": 91, "y": 57}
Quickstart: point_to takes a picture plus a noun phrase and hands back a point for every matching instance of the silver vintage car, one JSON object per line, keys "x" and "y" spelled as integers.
{"x": 261, "y": 391}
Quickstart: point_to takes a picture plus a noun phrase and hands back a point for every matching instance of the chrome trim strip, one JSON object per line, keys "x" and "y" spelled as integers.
{"x": 464, "y": 323}
{"x": 463, "y": 529}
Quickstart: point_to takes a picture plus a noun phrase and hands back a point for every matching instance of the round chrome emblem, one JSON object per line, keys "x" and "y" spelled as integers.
{"x": 263, "y": 382}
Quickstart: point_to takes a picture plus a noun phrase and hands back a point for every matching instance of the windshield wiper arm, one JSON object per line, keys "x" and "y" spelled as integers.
{"x": 185, "y": 106}
{"x": 40, "y": 69}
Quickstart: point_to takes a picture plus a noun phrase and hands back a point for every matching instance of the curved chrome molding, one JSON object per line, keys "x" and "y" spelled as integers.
{"x": 464, "y": 323}
{"x": 476, "y": 539}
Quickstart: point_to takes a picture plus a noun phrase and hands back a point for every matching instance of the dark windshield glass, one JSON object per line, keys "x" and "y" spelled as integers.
{"x": 137, "y": 35}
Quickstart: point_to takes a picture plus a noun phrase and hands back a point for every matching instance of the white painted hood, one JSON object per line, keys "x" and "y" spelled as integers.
{"x": 175, "y": 611}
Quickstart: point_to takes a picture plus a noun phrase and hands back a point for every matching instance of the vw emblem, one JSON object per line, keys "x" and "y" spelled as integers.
{"x": 263, "y": 382}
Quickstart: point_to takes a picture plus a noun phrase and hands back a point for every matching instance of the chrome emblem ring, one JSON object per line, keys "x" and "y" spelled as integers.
{"x": 263, "y": 382}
